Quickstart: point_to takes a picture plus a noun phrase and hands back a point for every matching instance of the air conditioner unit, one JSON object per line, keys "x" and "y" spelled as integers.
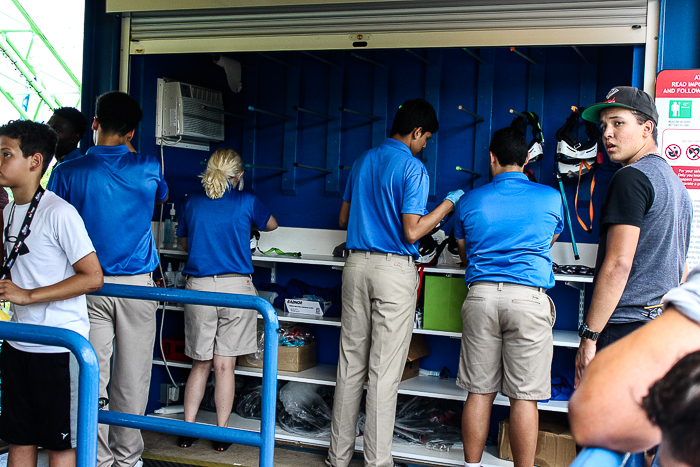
{"x": 188, "y": 116}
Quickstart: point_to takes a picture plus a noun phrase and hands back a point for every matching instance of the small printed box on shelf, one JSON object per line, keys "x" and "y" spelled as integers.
{"x": 174, "y": 350}
{"x": 442, "y": 305}
{"x": 288, "y": 359}
{"x": 555, "y": 444}
{"x": 304, "y": 306}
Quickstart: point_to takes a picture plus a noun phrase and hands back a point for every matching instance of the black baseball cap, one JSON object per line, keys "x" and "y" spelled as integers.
{"x": 627, "y": 97}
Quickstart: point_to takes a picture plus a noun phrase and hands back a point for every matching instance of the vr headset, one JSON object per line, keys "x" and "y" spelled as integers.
{"x": 573, "y": 158}
{"x": 535, "y": 151}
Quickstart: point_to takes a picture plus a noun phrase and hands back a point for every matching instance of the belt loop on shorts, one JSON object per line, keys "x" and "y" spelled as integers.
{"x": 500, "y": 286}
{"x": 367, "y": 254}
{"x": 388, "y": 256}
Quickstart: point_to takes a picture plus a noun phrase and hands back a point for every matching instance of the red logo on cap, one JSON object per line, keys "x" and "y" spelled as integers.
{"x": 611, "y": 100}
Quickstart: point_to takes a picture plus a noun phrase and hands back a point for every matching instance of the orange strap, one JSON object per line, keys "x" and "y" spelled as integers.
{"x": 590, "y": 204}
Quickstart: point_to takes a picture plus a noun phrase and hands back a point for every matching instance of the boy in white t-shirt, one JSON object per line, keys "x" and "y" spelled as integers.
{"x": 52, "y": 269}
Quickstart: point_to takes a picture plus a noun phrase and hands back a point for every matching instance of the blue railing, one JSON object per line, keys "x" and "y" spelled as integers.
{"x": 86, "y": 451}
{"x": 596, "y": 457}
{"x": 265, "y": 440}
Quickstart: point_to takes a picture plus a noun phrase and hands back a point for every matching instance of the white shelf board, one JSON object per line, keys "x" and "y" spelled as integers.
{"x": 173, "y": 253}
{"x": 566, "y": 338}
{"x": 561, "y": 338}
{"x": 317, "y": 260}
{"x": 401, "y": 450}
{"x": 423, "y": 386}
{"x": 328, "y": 260}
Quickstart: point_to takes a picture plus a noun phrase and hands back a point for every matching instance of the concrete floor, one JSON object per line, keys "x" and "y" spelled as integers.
{"x": 159, "y": 445}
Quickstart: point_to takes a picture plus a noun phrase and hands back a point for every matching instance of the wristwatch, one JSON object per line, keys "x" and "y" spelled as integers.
{"x": 585, "y": 333}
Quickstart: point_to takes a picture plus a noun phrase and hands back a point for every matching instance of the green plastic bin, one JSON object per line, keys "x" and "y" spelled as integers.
{"x": 442, "y": 303}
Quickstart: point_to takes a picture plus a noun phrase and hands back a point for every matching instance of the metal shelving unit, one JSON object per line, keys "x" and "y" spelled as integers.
{"x": 424, "y": 386}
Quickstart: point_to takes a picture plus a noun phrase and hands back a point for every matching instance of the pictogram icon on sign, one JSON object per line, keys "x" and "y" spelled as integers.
{"x": 673, "y": 151}
{"x": 693, "y": 152}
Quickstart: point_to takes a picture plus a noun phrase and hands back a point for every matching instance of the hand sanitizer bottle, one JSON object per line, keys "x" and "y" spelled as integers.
{"x": 168, "y": 229}
{"x": 170, "y": 276}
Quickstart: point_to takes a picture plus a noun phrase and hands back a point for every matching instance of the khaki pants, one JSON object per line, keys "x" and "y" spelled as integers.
{"x": 379, "y": 302}
{"x": 123, "y": 332}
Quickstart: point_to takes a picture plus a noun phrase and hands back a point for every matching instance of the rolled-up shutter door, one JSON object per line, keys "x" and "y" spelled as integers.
{"x": 181, "y": 26}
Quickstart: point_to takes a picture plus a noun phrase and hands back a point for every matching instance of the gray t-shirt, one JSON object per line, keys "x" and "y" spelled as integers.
{"x": 648, "y": 195}
{"x": 686, "y": 298}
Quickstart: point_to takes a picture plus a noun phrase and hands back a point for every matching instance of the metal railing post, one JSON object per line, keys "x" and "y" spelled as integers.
{"x": 266, "y": 438}
{"x": 86, "y": 451}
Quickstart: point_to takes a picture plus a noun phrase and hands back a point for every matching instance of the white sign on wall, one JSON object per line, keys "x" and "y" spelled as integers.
{"x": 678, "y": 103}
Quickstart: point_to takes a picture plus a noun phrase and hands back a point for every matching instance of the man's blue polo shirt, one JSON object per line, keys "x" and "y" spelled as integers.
{"x": 114, "y": 189}
{"x": 74, "y": 154}
{"x": 385, "y": 182}
{"x": 508, "y": 227}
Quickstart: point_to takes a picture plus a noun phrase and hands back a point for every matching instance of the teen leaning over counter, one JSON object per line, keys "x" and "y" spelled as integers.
{"x": 215, "y": 230}
{"x": 384, "y": 211}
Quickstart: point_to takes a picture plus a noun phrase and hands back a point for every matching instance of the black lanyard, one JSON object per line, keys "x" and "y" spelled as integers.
{"x": 23, "y": 233}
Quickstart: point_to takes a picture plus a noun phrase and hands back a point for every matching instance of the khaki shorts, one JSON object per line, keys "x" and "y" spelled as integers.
{"x": 507, "y": 341}
{"x": 211, "y": 330}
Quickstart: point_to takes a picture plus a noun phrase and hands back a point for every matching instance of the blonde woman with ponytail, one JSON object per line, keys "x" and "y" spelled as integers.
{"x": 215, "y": 230}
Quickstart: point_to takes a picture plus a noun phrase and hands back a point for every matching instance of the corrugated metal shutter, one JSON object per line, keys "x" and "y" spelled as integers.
{"x": 438, "y": 23}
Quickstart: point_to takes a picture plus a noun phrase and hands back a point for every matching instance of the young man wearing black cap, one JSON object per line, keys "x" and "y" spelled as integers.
{"x": 644, "y": 225}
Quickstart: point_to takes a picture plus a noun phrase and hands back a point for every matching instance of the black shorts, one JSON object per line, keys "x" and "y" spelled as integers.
{"x": 39, "y": 398}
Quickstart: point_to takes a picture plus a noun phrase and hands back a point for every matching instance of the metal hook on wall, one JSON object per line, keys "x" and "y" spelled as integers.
{"x": 312, "y": 112}
{"x": 264, "y": 167}
{"x": 370, "y": 116}
{"x": 311, "y": 167}
{"x": 479, "y": 118}
{"x": 513, "y": 49}
{"x": 267, "y": 112}
{"x": 461, "y": 169}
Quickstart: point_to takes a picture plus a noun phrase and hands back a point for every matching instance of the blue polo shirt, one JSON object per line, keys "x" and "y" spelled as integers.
{"x": 218, "y": 232}
{"x": 508, "y": 226}
{"x": 114, "y": 190}
{"x": 385, "y": 182}
{"x": 74, "y": 154}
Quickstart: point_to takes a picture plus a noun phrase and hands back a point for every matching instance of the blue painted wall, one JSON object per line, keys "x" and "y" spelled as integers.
{"x": 311, "y": 199}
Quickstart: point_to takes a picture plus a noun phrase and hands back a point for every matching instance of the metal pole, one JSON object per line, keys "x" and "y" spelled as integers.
{"x": 38, "y": 32}
{"x": 88, "y": 382}
{"x": 269, "y": 382}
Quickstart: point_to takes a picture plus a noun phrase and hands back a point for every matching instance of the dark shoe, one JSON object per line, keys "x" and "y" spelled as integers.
{"x": 221, "y": 446}
{"x": 186, "y": 441}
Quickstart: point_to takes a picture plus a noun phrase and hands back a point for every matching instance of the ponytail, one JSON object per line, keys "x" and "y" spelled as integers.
{"x": 222, "y": 166}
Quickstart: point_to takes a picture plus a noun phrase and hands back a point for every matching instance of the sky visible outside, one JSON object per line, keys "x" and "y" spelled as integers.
{"x": 62, "y": 24}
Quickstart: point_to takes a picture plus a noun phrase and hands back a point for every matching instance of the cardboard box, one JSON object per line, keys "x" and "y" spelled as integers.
{"x": 305, "y": 307}
{"x": 289, "y": 358}
{"x": 442, "y": 304}
{"x": 555, "y": 445}
{"x": 417, "y": 349}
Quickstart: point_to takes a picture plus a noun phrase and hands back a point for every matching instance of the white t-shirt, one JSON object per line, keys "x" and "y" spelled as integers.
{"x": 57, "y": 240}
{"x": 686, "y": 297}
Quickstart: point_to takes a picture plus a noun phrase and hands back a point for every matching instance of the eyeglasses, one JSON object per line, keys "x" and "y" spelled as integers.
{"x": 572, "y": 269}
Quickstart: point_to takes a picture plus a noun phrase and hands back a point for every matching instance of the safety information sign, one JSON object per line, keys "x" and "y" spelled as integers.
{"x": 678, "y": 103}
